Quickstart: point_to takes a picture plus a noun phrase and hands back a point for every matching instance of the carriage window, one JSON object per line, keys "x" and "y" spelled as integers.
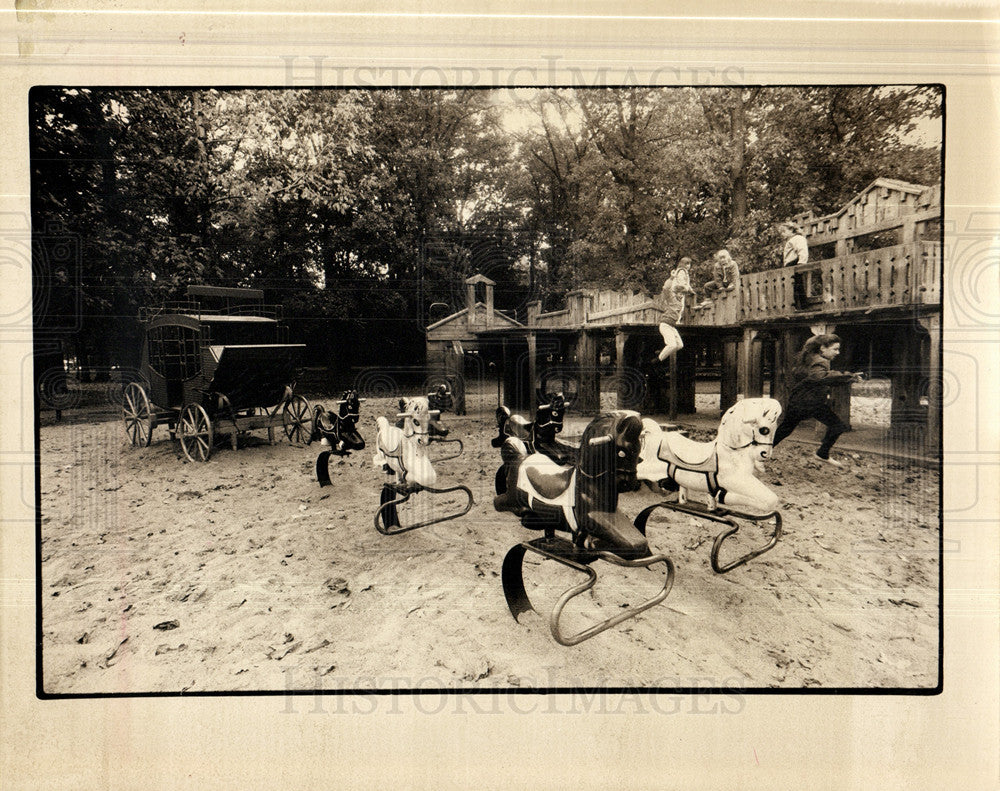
{"x": 174, "y": 352}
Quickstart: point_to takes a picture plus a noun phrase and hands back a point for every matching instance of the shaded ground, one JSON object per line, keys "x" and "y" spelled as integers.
{"x": 242, "y": 574}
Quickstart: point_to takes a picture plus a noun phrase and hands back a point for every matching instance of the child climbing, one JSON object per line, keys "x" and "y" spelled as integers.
{"x": 671, "y": 303}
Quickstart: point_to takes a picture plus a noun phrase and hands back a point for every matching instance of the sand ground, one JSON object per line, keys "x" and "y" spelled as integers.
{"x": 159, "y": 575}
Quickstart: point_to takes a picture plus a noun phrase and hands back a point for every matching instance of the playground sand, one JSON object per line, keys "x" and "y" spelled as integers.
{"x": 159, "y": 575}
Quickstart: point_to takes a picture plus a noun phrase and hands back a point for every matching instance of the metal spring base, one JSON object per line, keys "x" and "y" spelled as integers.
{"x": 568, "y": 554}
{"x": 723, "y": 516}
{"x": 323, "y": 466}
{"x": 394, "y": 495}
{"x": 437, "y": 441}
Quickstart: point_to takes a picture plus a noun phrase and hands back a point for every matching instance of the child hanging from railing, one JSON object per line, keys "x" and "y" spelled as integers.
{"x": 671, "y": 302}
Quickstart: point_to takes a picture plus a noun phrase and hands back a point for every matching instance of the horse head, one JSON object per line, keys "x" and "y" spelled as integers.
{"x": 750, "y": 423}
{"x": 350, "y": 406}
{"x": 609, "y": 453}
{"x": 347, "y": 418}
{"x": 618, "y": 453}
{"x": 418, "y": 420}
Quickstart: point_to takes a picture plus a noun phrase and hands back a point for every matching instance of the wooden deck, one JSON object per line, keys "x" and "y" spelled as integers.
{"x": 890, "y": 277}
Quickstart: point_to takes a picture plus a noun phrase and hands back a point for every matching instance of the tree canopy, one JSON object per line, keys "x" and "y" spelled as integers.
{"x": 363, "y": 211}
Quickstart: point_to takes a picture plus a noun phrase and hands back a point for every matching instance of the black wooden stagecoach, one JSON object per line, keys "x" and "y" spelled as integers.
{"x": 216, "y": 363}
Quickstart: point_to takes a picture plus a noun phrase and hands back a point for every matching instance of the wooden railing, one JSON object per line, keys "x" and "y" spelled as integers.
{"x": 905, "y": 274}
{"x": 888, "y": 277}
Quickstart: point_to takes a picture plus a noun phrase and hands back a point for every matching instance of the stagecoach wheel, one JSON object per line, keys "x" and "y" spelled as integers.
{"x": 137, "y": 414}
{"x": 195, "y": 433}
{"x": 297, "y": 419}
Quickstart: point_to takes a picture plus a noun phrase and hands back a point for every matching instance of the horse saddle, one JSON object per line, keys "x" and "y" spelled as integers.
{"x": 549, "y": 479}
{"x": 559, "y": 452}
{"x": 679, "y": 451}
{"x": 519, "y": 427}
{"x": 351, "y": 438}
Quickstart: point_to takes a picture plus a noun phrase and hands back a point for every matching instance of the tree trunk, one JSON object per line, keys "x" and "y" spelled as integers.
{"x": 739, "y": 164}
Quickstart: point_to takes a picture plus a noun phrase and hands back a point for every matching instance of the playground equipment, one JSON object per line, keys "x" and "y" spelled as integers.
{"x": 722, "y": 470}
{"x": 441, "y": 398}
{"x": 582, "y": 499}
{"x": 337, "y": 430}
{"x": 539, "y": 434}
{"x": 401, "y": 451}
{"x": 437, "y": 433}
{"x": 217, "y": 359}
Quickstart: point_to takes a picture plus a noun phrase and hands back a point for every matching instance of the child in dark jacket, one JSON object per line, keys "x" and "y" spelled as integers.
{"x": 808, "y": 398}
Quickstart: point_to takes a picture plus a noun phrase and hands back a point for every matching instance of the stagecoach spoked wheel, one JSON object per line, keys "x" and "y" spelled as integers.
{"x": 297, "y": 419}
{"x": 195, "y": 432}
{"x": 137, "y": 415}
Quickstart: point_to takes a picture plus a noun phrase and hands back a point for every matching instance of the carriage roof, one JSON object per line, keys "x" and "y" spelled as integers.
{"x": 214, "y": 305}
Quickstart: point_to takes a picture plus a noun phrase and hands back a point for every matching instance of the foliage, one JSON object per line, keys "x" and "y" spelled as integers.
{"x": 363, "y": 211}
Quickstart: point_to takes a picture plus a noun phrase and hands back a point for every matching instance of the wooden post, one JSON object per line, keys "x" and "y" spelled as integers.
{"x": 533, "y": 363}
{"x": 906, "y": 379}
{"x": 515, "y": 391}
{"x": 750, "y": 372}
{"x": 684, "y": 370}
{"x": 454, "y": 370}
{"x": 786, "y": 353}
{"x": 505, "y": 397}
{"x": 672, "y": 387}
{"x": 590, "y": 381}
{"x": 620, "y": 370}
{"x": 730, "y": 365}
{"x": 933, "y": 326}
{"x": 755, "y": 367}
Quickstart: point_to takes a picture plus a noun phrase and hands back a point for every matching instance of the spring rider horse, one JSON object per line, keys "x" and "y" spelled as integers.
{"x": 338, "y": 430}
{"x": 580, "y": 498}
{"x": 401, "y": 451}
{"x": 722, "y": 470}
{"x": 441, "y": 398}
{"x": 437, "y": 402}
{"x": 539, "y": 435}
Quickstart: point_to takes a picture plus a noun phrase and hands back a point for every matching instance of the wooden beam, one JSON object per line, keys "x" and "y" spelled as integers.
{"x": 750, "y": 378}
{"x": 589, "y": 396}
{"x": 933, "y": 326}
{"x": 533, "y": 363}
{"x": 729, "y": 385}
{"x": 620, "y": 370}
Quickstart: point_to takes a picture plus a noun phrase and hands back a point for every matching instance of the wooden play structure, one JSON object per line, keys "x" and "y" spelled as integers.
{"x": 873, "y": 278}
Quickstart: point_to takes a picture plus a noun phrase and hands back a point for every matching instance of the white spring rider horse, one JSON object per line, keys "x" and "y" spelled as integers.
{"x": 722, "y": 469}
{"x": 404, "y": 450}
